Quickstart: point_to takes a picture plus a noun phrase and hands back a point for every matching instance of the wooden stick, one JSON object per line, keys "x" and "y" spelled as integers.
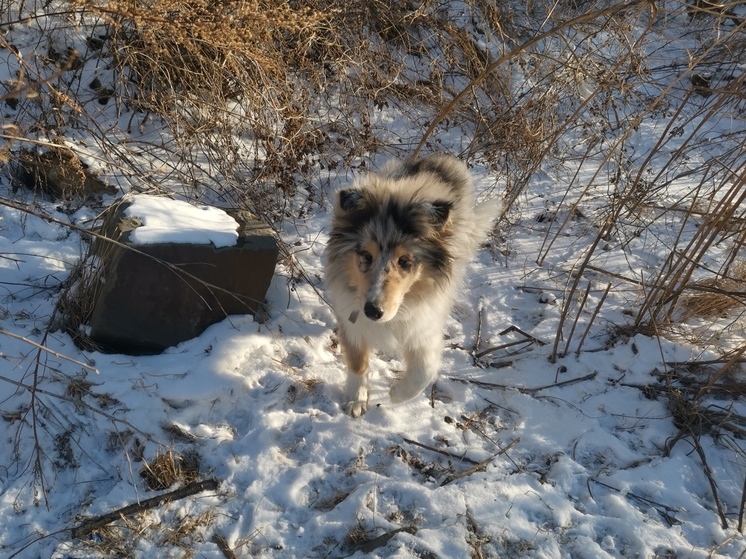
{"x": 581, "y": 306}
{"x": 529, "y": 339}
{"x": 743, "y": 507}
{"x": 710, "y": 479}
{"x": 664, "y": 510}
{"x": 481, "y": 466}
{"x": 703, "y": 362}
{"x": 593, "y": 317}
{"x": 219, "y": 540}
{"x": 478, "y": 339}
{"x": 514, "y": 328}
{"x": 490, "y": 385}
{"x": 439, "y": 451}
{"x": 503, "y": 346}
{"x": 193, "y": 488}
{"x": 50, "y": 351}
{"x": 720, "y": 373}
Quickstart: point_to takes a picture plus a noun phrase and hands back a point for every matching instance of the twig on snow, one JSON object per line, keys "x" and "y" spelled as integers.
{"x": 491, "y": 385}
{"x": 193, "y": 488}
{"x": 743, "y": 507}
{"x": 481, "y": 466}
{"x": 42, "y": 347}
{"x": 664, "y": 510}
{"x": 593, "y": 317}
{"x": 440, "y": 451}
{"x": 710, "y": 479}
{"x": 97, "y": 411}
{"x": 581, "y": 306}
{"x": 720, "y": 373}
{"x": 503, "y": 346}
{"x": 529, "y": 340}
{"x": 223, "y": 546}
{"x": 514, "y": 328}
{"x": 478, "y": 339}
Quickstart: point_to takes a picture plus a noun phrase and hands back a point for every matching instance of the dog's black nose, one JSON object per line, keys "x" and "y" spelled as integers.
{"x": 373, "y": 312}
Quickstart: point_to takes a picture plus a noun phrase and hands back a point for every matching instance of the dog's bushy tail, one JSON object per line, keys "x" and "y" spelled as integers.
{"x": 486, "y": 213}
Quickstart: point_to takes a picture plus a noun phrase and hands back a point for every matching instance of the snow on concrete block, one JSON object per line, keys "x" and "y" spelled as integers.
{"x": 176, "y": 270}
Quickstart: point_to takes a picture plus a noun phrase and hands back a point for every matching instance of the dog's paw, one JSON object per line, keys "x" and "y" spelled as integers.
{"x": 406, "y": 389}
{"x": 356, "y": 395}
{"x": 356, "y": 408}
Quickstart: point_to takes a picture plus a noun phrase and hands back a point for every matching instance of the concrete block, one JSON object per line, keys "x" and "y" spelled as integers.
{"x": 158, "y": 295}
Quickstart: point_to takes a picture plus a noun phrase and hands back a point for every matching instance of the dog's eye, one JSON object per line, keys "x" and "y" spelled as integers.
{"x": 405, "y": 263}
{"x": 365, "y": 257}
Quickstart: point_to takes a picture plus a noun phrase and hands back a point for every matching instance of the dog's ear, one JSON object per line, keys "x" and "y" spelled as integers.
{"x": 438, "y": 212}
{"x": 350, "y": 199}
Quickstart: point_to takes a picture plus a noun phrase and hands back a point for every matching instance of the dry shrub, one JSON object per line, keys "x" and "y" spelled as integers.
{"x": 303, "y": 83}
{"x": 76, "y": 302}
{"x": 57, "y": 172}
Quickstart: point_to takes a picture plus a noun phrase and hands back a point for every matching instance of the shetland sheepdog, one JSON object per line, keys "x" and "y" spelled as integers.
{"x": 397, "y": 252}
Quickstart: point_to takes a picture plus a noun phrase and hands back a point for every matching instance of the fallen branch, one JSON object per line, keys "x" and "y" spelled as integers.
{"x": 223, "y": 546}
{"x": 720, "y": 373}
{"x": 686, "y": 364}
{"x": 439, "y": 451}
{"x": 593, "y": 317}
{"x": 710, "y": 479}
{"x": 503, "y": 346}
{"x": 515, "y": 328}
{"x": 481, "y": 466}
{"x": 50, "y": 351}
{"x": 583, "y": 301}
{"x": 479, "y": 354}
{"x": 34, "y": 390}
{"x": 191, "y": 489}
{"x": 478, "y": 339}
{"x": 491, "y": 385}
{"x": 664, "y": 510}
{"x": 742, "y": 509}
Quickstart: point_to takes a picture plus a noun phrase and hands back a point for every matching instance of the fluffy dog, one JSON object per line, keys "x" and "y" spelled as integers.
{"x": 397, "y": 252}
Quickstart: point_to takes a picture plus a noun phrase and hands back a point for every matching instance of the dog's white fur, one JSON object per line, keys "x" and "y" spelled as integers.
{"x": 425, "y": 210}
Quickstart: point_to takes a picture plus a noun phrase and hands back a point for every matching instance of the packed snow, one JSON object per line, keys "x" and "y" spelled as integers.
{"x": 175, "y": 221}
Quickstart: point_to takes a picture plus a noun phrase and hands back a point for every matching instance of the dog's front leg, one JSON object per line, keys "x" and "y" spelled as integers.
{"x": 356, "y": 394}
{"x": 422, "y": 369}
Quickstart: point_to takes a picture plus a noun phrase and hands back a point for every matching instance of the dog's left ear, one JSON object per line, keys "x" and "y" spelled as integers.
{"x": 438, "y": 212}
{"x": 349, "y": 199}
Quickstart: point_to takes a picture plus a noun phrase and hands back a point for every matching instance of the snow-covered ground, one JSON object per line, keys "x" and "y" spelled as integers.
{"x": 510, "y": 455}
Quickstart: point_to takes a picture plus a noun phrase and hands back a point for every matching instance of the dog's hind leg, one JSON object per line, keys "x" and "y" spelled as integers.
{"x": 356, "y": 393}
{"x": 422, "y": 369}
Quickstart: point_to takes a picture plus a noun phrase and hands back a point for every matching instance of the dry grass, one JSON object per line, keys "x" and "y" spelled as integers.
{"x": 714, "y": 297}
{"x": 170, "y": 467}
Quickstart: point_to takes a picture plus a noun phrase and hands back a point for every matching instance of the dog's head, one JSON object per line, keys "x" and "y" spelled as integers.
{"x": 394, "y": 249}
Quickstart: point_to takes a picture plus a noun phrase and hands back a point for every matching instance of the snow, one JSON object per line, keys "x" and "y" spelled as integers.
{"x": 586, "y": 477}
{"x": 576, "y": 457}
{"x": 175, "y": 221}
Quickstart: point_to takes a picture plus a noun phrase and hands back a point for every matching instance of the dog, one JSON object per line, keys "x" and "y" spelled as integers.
{"x": 397, "y": 252}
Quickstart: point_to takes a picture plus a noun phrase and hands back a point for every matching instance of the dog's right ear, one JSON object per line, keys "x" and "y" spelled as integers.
{"x": 350, "y": 199}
